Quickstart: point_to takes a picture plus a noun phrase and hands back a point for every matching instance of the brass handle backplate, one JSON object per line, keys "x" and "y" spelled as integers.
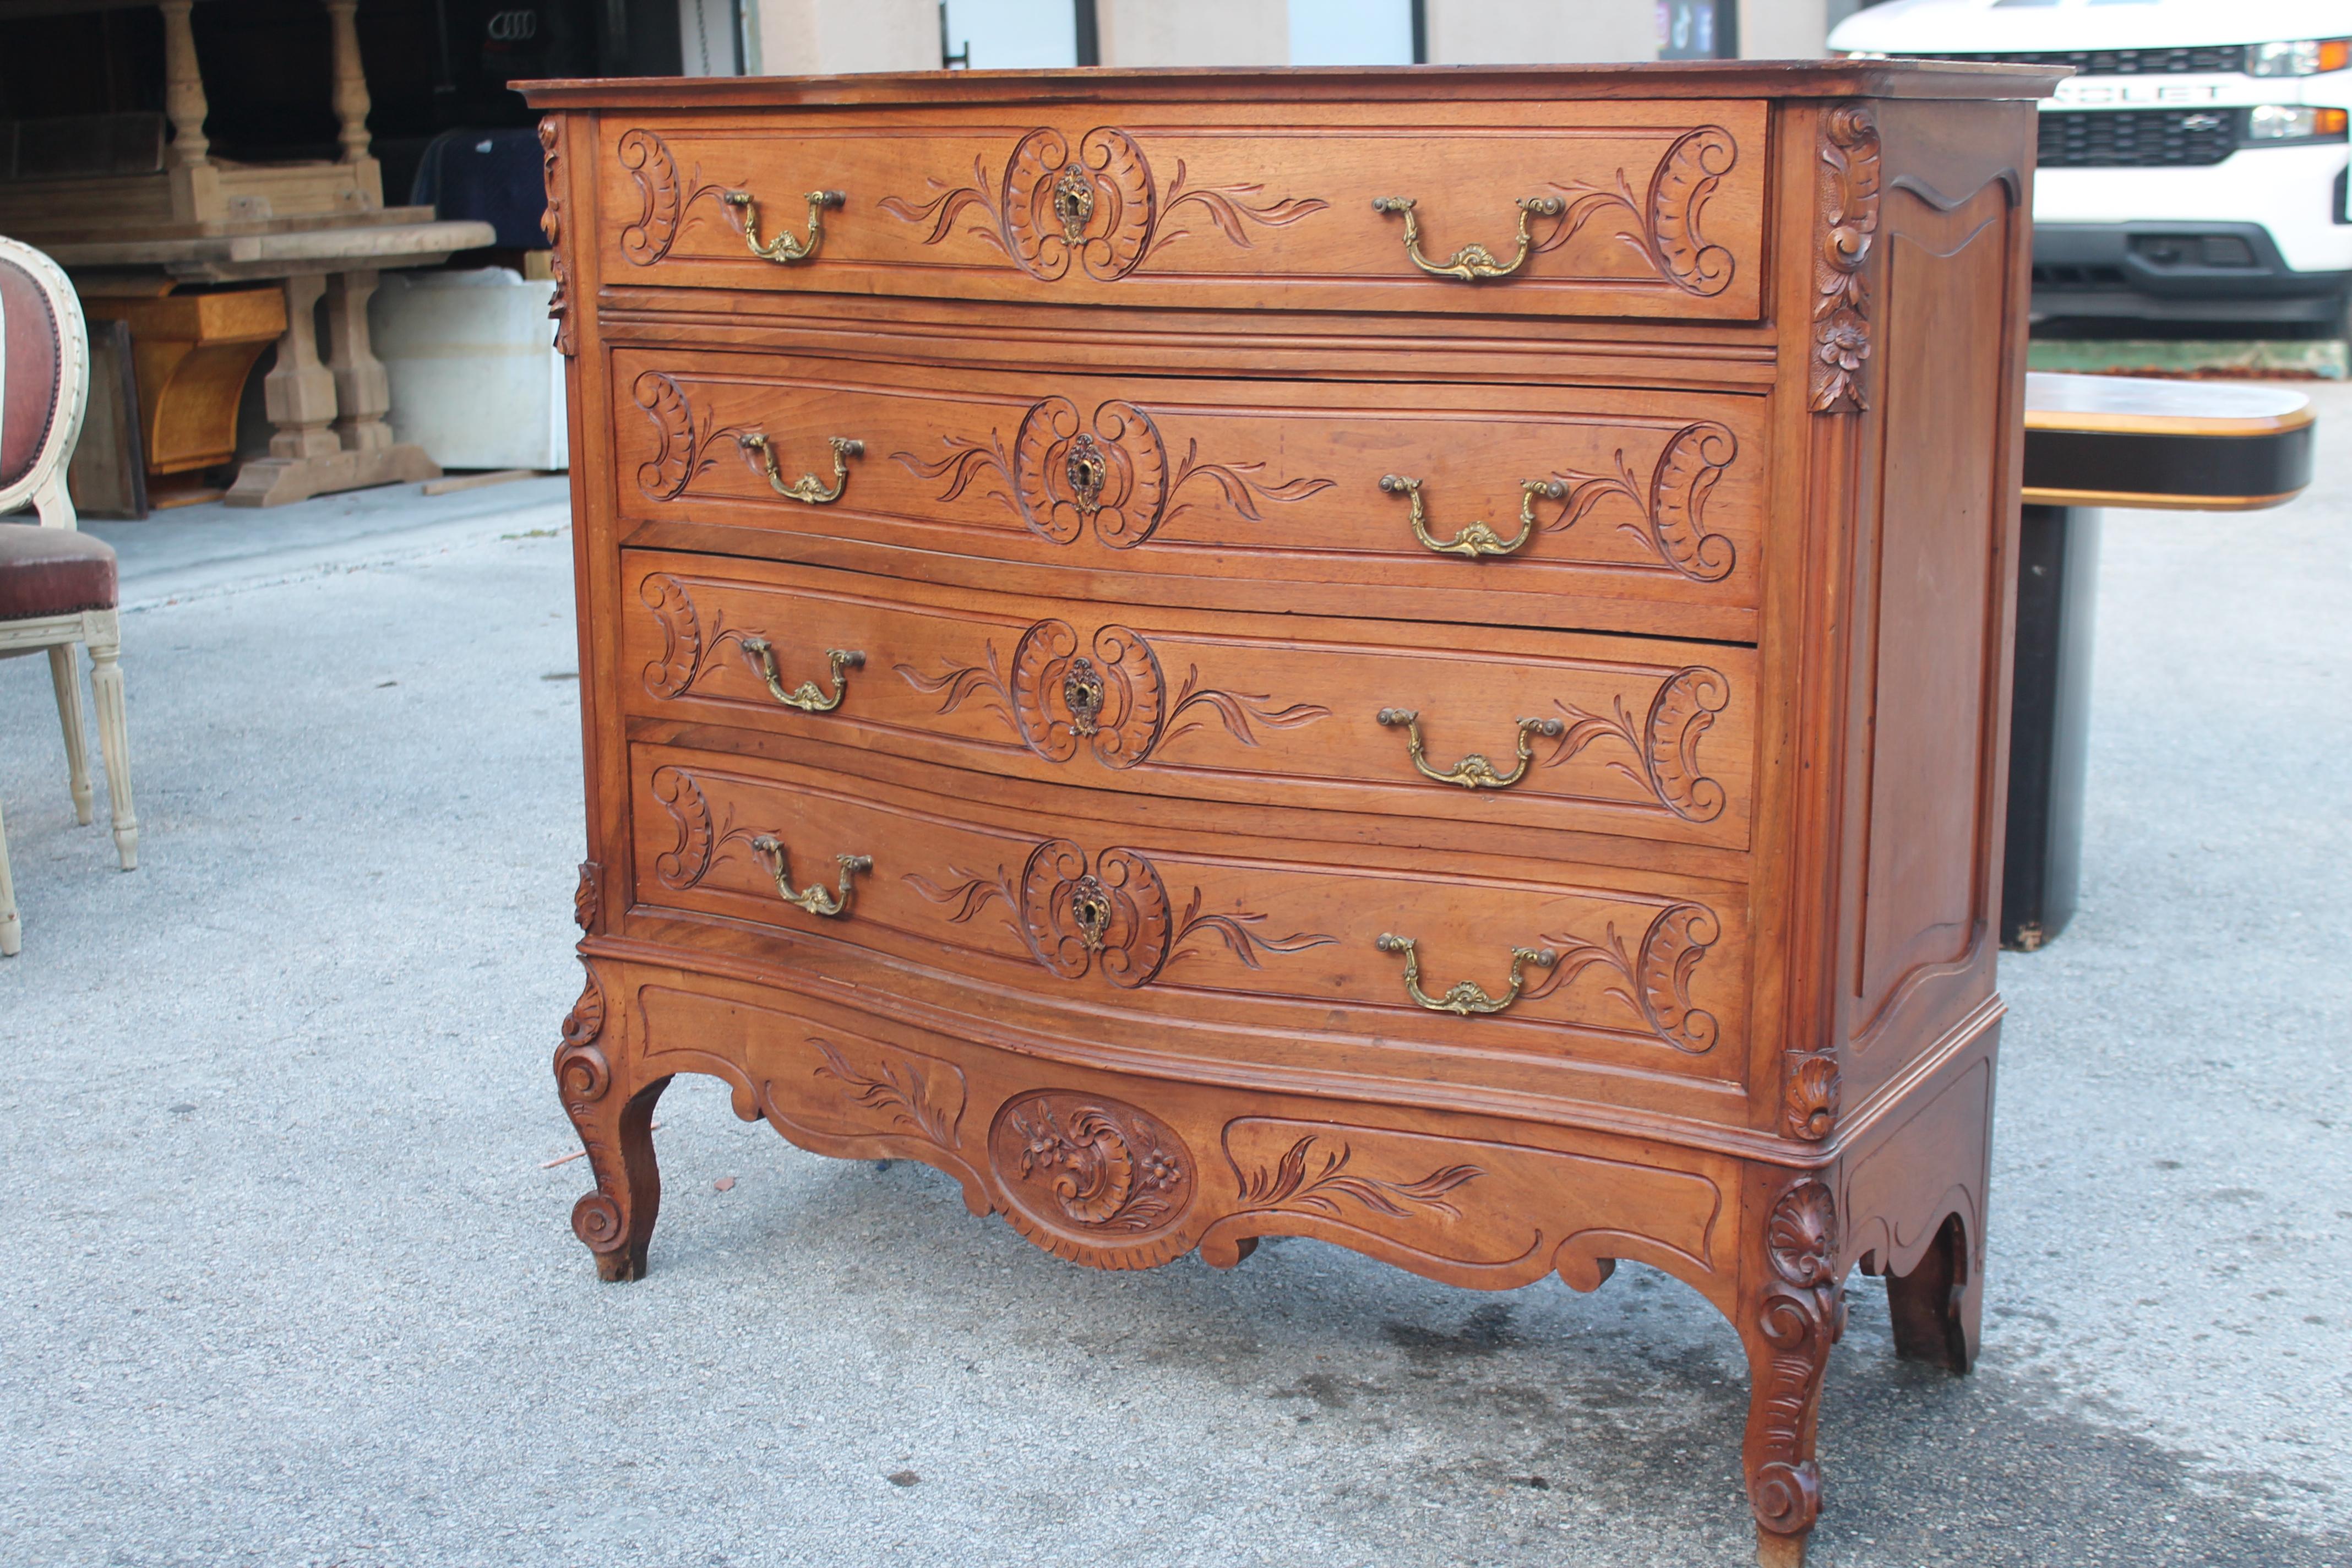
{"x": 785, "y": 248}
{"x": 806, "y": 696}
{"x": 1465, "y": 997}
{"x": 1476, "y": 539}
{"x": 1474, "y": 771}
{"x": 808, "y": 486}
{"x": 1471, "y": 263}
{"x": 816, "y": 899}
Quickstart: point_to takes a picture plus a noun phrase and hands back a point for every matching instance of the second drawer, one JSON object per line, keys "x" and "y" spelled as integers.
{"x": 1639, "y": 737}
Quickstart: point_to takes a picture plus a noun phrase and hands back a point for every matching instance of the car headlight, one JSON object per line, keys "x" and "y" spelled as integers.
{"x": 2293, "y": 123}
{"x": 2303, "y": 57}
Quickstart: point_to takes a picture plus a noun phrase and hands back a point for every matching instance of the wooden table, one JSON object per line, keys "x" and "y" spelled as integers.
{"x": 2094, "y": 441}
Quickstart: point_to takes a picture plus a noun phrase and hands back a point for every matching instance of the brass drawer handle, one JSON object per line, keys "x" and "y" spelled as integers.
{"x": 806, "y": 696}
{"x": 1471, "y": 263}
{"x": 815, "y": 898}
{"x": 808, "y": 486}
{"x": 1473, "y": 771}
{"x": 1476, "y": 539}
{"x": 784, "y": 248}
{"x": 1465, "y": 998}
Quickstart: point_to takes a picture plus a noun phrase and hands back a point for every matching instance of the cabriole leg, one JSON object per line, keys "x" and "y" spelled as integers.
{"x": 616, "y": 1126}
{"x": 63, "y": 676}
{"x": 1798, "y": 1315}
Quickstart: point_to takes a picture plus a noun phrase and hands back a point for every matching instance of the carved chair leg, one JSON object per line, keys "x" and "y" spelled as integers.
{"x": 68, "y": 680}
{"x": 12, "y": 933}
{"x": 1937, "y": 1307}
{"x": 113, "y": 732}
{"x": 1798, "y": 1315}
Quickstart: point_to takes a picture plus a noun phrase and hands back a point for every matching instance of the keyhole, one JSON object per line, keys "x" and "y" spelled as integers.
{"x": 1090, "y": 903}
{"x": 1074, "y": 203}
{"x": 1089, "y": 470}
{"x": 1082, "y": 689}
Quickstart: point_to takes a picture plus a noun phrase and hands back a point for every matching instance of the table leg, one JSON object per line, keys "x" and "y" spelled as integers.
{"x": 331, "y": 433}
{"x": 2057, "y": 584}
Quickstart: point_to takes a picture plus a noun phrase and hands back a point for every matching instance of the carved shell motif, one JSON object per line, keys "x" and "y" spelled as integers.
{"x": 1110, "y": 698}
{"x": 1091, "y": 1165}
{"x": 1114, "y": 912}
{"x": 1111, "y": 474}
{"x": 1802, "y": 1237}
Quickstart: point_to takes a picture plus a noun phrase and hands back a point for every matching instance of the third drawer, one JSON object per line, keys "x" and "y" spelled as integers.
{"x": 1638, "y": 737}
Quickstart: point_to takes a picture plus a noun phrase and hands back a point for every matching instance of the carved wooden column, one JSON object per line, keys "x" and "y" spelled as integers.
{"x": 195, "y": 180}
{"x": 351, "y": 98}
{"x": 363, "y": 391}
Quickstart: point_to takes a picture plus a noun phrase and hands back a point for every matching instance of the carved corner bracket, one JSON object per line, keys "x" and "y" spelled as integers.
{"x": 1848, "y": 223}
{"x": 551, "y": 224}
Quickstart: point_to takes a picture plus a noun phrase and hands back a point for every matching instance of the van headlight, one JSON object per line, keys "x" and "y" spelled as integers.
{"x": 2294, "y": 122}
{"x": 2304, "y": 57}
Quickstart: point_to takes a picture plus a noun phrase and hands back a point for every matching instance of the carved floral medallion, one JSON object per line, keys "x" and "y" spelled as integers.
{"x": 1090, "y": 1164}
{"x": 1096, "y": 205}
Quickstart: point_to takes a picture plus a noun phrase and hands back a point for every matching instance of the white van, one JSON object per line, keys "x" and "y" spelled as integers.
{"x": 2194, "y": 169}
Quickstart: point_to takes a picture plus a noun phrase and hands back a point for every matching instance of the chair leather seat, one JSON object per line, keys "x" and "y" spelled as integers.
{"x": 53, "y": 571}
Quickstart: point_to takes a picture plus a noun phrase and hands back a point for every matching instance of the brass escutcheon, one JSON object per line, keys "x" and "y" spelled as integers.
{"x": 1090, "y": 903}
{"x": 1089, "y": 471}
{"x": 1074, "y": 202}
{"x": 1082, "y": 689}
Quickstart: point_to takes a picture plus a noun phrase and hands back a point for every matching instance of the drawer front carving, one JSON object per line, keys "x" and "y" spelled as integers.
{"x": 1110, "y": 914}
{"x": 1598, "y": 209}
{"x": 1633, "y": 510}
{"x": 1429, "y": 724}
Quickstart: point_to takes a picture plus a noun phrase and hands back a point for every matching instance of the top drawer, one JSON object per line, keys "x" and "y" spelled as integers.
{"x": 1626, "y": 209}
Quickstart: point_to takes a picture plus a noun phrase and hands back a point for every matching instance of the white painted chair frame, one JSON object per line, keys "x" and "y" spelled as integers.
{"x": 44, "y": 487}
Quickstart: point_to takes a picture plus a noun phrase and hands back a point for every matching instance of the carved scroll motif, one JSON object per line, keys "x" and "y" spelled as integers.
{"x": 686, "y": 860}
{"x": 1291, "y": 1185}
{"x": 1663, "y": 223}
{"x": 1111, "y": 699}
{"x": 1672, "y": 505}
{"x": 1091, "y": 1164}
{"x": 687, "y": 442}
{"x": 897, "y": 1089}
{"x": 681, "y": 655}
{"x": 1849, "y": 222}
{"x": 664, "y": 200}
{"x": 551, "y": 224}
{"x": 1098, "y": 206}
{"x": 1113, "y": 911}
{"x": 1067, "y": 473}
{"x": 1655, "y": 977}
{"x": 1801, "y": 1315}
{"x": 1664, "y": 742}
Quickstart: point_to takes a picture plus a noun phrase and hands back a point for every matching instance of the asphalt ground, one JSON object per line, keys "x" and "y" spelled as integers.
{"x": 293, "y": 1283}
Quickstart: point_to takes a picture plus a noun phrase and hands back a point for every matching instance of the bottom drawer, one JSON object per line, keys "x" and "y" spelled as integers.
{"x": 1095, "y": 901}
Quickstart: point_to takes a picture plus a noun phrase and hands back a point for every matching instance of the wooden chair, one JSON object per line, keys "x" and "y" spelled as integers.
{"x": 57, "y": 585}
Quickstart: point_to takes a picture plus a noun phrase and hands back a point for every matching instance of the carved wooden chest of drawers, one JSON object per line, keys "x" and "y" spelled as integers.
{"x": 1417, "y": 658}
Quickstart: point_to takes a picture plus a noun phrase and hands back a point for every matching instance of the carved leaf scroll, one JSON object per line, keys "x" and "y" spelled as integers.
{"x": 686, "y": 443}
{"x": 1849, "y": 223}
{"x": 1801, "y": 1314}
{"x": 551, "y": 224}
{"x": 1664, "y": 742}
{"x": 1098, "y": 206}
{"x": 897, "y": 1089}
{"x": 1655, "y": 979}
{"x": 664, "y": 200}
{"x": 1292, "y": 1184}
{"x": 1662, "y": 224}
{"x": 687, "y": 860}
{"x": 1671, "y": 506}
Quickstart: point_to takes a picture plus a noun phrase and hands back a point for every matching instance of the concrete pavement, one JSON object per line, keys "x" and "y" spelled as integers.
{"x": 292, "y": 1286}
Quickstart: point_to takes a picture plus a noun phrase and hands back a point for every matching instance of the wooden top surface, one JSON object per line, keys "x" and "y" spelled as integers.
{"x": 2138, "y": 405}
{"x": 1643, "y": 79}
